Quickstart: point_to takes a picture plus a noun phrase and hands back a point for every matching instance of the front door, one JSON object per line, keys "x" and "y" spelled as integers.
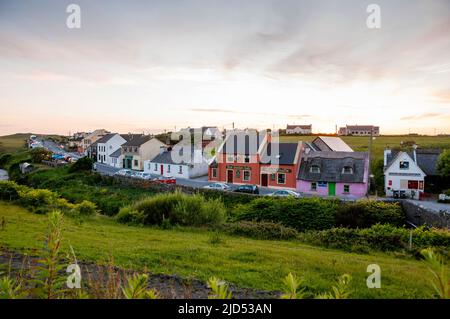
{"x": 129, "y": 163}
{"x": 162, "y": 169}
{"x": 230, "y": 176}
{"x": 331, "y": 189}
{"x": 264, "y": 179}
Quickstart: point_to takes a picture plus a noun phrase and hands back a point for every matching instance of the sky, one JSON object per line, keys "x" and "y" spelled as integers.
{"x": 150, "y": 66}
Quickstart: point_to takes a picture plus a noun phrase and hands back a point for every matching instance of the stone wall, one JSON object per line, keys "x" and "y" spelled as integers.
{"x": 419, "y": 215}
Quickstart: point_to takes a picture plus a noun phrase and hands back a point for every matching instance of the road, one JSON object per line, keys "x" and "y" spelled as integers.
{"x": 196, "y": 182}
{"x": 431, "y": 205}
{"x": 3, "y": 175}
{"x": 55, "y": 148}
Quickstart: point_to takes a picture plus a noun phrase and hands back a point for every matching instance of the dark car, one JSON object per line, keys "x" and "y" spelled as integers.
{"x": 248, "y": 189}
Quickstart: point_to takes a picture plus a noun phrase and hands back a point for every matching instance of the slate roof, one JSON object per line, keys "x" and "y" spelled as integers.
{"x": 116, "y": 153}
{"x": 361, "y": 127}
{"x": 427, "y": 159}
{"x": 166, "y": 158}
{"x": 106, "y": 138}
{"x": 286, "y": 152}
{"x": 242, "y": 143}
{"x": 304, "y": 127}
{"x": 137, "y": 140}
{"x": 331, "y": 165}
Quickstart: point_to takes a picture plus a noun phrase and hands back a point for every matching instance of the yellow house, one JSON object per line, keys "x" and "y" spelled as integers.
{"x": 139, "y": 149}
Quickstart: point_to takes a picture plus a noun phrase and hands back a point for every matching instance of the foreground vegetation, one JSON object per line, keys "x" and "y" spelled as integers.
{"x": 241, "y": 261}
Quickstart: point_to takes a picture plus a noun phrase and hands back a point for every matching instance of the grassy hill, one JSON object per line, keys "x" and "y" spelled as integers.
{"x": 13, "y": 143}
{"x": 361, "y": 143}
{"x": 191, "y": 253}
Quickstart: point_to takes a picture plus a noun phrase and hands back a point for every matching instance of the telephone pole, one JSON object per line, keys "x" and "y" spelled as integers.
{"x": 369, "y": 161}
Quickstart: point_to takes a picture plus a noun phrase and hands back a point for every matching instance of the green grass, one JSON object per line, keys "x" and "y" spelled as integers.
{"x": 361, "y": 143}
{"x": 244, "y": 262}
{"x": 13, "y": 143}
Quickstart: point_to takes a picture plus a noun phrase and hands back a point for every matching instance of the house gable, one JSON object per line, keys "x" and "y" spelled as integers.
{"x": 394, "y": 167}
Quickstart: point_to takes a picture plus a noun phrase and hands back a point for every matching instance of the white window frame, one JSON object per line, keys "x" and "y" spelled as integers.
{"x": 278, "y": 178}
{"x": 249, "y": 175}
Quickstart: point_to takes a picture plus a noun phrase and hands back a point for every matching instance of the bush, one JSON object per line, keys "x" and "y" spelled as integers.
{"x": 260, "y": 230}
{"x": 380, "y": 237}
{"x": 10, "y": 190}
{"x": 300, "y": 214}
{"x": 4, "y": 159}
{"x": 85, "y": 208}
{"x": 40, "y": 154}
{"x": 35, "y": 198}
{"x": 83, "y": 164}
{"x": 176, "y": 207}
{"x": 363, "y": 214}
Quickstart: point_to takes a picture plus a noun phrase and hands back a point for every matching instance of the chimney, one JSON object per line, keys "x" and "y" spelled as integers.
{"x": 386, "y": 153}
{"x": 414, "y": 152}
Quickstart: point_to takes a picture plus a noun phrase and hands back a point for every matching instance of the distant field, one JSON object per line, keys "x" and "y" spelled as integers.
{"x": 259, "y": 264}
{"x": 13, "y": 143}
{"x": 361, "y": 143}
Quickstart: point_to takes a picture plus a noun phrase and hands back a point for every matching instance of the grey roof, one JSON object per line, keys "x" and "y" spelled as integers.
{"x": 305, "y": 127}
{"x": 286, "y": 152}
{"x": 362, "y": 127}
{"x": 116, "y": 153}
{"x": 137, "y": 140}
{"x": 331, "y": 165}
{"x": 166, "y": 157}
{"x": 106, "y": 138}
{"x": 427, "y": 159}
{"x": 242, "y": 143}
{"x": 129, "y": 137}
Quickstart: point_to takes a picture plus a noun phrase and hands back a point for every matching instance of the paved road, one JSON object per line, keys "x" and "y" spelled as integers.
{"x": 55, "y": 148}
{"x": 3, "y": 175}
{"x": 196, "y": 182}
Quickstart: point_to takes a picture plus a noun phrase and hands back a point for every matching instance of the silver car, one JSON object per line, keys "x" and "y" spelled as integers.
{"x": 218, "y": 186}
{"x": 285, "y": 193}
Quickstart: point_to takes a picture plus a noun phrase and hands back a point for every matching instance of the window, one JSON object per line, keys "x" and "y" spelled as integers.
{"x": 180, "y": 169}
{"x": 346, "y": 189}
{"x": 246, "y": 176}
{"x": 135, "y": 149}
{"x": 315, "y": 169}
{"x": 247, "y": 159}
{"x": 136, "y": 163}
{"x": 413, "y": 184}
{"x": 272, "y": 177}
{"x": 168, "y": 168}
{"x": 156, "y": 167}
{"x": 214, "y": 172}
{"x": 281, "y": 178}
{"x": 347, "y": 170}
{"x": 230, "y": 158}
{"x": 404, "y": 165}
{"x": 313, "y": 186}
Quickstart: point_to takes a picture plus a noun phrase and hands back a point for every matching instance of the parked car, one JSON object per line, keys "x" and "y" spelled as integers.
{"x": 123, "y": 172}
{"x": 248, "y": 189}
{"x": 218, "y": 186}
{"x": 285, "y": 193}
{"x": 143, "y": 175}
{"x": 165, "y": 180}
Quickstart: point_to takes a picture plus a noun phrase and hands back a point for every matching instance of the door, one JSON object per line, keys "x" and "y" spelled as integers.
{"x": 331, "y": 189}
{"x": 162, "y": 169}
{"x": 129, "y": 163}
{"x": 230, "y": 176}
{"x": 264, "y": 179}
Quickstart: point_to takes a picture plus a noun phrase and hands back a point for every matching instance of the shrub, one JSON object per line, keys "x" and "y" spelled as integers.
{"x": 301, "y": 214}
{"x": 35, "y": 198}
{"x": 380, "y": 237}
{"x": 83, "y": 164}
{"x": 4, "y": 159}
{"x": 39, "y": 154}
{"x": 10, "y": 190}
{"x": 363, "y": 214}
{"x": 176, "y": 207}
{"x": 261, "y": 230}
{"x": 85, "y": 208}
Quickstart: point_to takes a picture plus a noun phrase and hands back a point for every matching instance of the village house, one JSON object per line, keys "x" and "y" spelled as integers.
{"x": 359, "y": 130}
{"x": 205, "y": 134}
{"x": 333, "y": 173}
{"x": 179, "y": 162}
{"x": 246, "y": 158}
{"x": 108, "y": 145}
{"x": 329, "y": 143}
{"x": 407, "y": 173}
{"x": 299, "y": 129}
{"x": 139, "y": 149}
{"x": 90, "y": 139}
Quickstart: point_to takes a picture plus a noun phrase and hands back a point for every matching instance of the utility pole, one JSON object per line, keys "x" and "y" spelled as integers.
{"x": 370, "y": 153}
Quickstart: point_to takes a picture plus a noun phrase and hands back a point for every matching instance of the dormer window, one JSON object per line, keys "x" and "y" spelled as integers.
{"x": 404, "y": 165}
{"x": 315, "y": 169}
{"x": 347, "y": 170}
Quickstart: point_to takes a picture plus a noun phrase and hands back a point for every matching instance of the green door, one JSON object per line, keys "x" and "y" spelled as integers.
{"x": 331, "y": 189}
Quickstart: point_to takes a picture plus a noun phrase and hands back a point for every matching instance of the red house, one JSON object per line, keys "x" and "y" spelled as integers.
{"x": 247, "y": 158}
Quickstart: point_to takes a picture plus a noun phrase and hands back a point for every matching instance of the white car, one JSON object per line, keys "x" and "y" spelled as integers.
{"x": 285, "y": 193}
{"x": 123, "y": 172}
{"x": 143, "y": 175}
{"x": 218, "y": 186}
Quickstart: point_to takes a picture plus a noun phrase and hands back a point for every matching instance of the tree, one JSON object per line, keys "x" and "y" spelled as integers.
{"x": 443, "y": 165}
{"x": 83, "y": 164}
{"x": 40, "y": 154}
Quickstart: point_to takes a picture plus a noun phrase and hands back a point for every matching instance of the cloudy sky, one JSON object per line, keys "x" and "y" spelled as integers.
{"x": 152, "y": 65}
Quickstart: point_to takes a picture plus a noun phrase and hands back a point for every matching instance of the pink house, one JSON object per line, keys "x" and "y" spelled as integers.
{"x": 328, "y": 173}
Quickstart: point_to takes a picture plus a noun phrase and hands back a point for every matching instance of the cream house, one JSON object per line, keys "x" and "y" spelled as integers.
{"x": 139, "y": 149}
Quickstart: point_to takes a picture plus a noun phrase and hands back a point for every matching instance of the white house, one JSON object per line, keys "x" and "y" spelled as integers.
{"x": 178, "y": 163}
{"x": 299, "y": 129}
{"x": 108, "y": 145}
{"x": 402, "y": 174}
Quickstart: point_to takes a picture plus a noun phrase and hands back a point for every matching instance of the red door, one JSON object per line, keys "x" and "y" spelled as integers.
{"x": 162, "y": 169}
{"x": 264, "y": 179}
{"x": 229, "y": 176}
